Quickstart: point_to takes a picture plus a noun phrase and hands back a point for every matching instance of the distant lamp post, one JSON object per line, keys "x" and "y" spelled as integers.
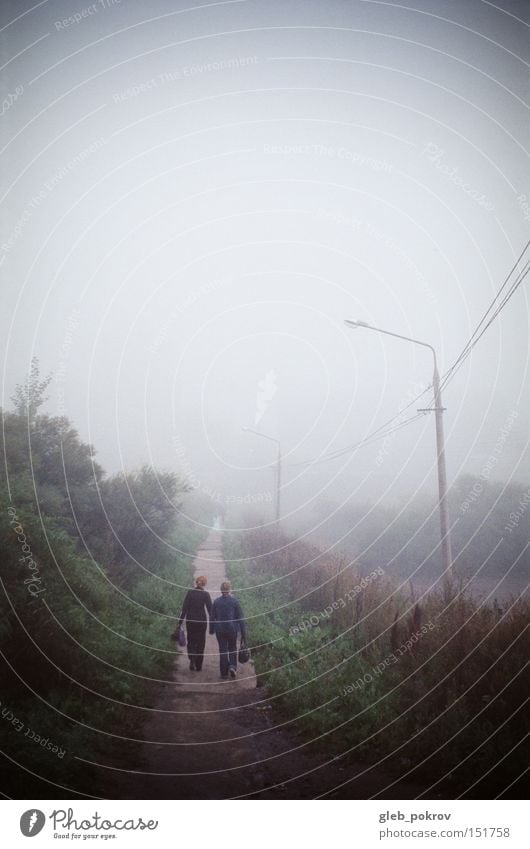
{"x": 440, "y": 446}
{"x": 278, "y": 466}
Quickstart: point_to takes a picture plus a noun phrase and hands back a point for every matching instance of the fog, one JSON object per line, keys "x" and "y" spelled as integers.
{"x": 194, "y": 199}
{"x": 233, "y": 236}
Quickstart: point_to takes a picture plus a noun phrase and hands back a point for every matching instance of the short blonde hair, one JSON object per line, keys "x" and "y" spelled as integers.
{"x": 226, "y": 586}
{"x": 201, "y": 581}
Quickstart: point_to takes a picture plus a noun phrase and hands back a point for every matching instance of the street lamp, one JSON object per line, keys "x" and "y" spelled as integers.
{"x": 440, "y": 446}
{"x": 278, "y": 466}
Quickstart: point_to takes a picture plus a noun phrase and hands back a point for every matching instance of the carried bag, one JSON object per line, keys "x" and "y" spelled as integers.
{"x": 178, "y": 636}
{"x": 244, "y": 654}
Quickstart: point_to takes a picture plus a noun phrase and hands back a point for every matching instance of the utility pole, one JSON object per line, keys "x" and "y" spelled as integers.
{"x": 445, "y": 534}
{"x": 442, "y": 475}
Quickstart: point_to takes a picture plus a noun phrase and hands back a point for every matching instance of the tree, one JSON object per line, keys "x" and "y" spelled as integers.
{"x": 29, "y": 396}
{"x": 141, "y": 509}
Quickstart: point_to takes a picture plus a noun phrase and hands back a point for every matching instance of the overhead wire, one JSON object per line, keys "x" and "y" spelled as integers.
{"x": 380, "y": 432}
{"x": 372, "y": 437}
{"x": 474, "y": 339}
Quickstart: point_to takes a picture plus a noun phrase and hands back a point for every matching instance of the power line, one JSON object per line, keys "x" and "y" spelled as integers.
{"x": 372, "y": 437}
{"x": 484, "y": 317}
{"x": 446, "y": 377}
{"x": 474, "y": 339}
{"x": 518, "y": 260}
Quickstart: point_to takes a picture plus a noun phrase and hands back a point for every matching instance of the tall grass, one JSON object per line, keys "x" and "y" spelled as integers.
{"x": 432, "y": 686}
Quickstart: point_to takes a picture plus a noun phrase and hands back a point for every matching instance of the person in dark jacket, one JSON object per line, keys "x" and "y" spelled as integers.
{"x": 226, "y": 621}
{"x": 196, "y": 603}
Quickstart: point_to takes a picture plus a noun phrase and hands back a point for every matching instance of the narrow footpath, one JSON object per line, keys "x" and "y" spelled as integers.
{"x": 215, "y": 739}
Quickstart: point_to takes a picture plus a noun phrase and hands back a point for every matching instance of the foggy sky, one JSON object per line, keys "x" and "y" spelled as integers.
{"x": 195, "y": 197}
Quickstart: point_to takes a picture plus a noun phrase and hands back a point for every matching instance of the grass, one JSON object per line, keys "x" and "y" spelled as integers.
{"x": 434, "y": 687}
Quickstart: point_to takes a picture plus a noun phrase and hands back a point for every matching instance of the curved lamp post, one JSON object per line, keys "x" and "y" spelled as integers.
{"x": 440, "y": 446}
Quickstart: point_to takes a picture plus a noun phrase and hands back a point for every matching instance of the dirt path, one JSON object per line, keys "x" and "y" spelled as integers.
{"x": 210, "y": 715}
{"x": 211, "y": 739}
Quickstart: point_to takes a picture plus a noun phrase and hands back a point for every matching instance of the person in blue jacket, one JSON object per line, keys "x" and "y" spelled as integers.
{"x": 226, "y": 621}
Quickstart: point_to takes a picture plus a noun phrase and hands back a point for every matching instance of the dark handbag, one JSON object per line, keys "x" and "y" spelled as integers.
{"x": 244, "y": 654}
{"x": 178, "y": 636}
